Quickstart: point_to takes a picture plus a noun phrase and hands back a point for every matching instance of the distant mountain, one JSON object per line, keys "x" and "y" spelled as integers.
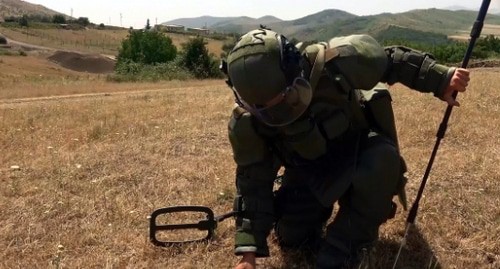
{"x": 492, "y": 10}
{"x": 17, "y": 8}
{"x": 456, "y": 7}
{"x": 203, "y": 21}
{"x": 308, "y": 27}
{"x": 418, "y": 24}
{"x": 437, "y": 23}
{"x": 218, "y": 22}
{"x": 244, "y": 24}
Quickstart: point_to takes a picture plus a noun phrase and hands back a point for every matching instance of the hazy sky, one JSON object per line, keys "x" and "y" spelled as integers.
{"x": 135, "y": 13}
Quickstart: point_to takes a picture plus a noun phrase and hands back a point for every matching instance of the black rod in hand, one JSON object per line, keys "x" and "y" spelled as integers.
{"x": 475, "y": 34}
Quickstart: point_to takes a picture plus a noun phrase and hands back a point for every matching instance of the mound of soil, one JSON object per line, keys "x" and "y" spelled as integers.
{"x": 91, "y": 63}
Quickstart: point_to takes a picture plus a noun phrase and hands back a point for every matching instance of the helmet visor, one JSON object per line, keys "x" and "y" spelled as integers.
{"x": 285, "y": 107}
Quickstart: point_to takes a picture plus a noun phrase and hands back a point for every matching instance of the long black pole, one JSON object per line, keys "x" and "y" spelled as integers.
{"x": 475, "y": 34}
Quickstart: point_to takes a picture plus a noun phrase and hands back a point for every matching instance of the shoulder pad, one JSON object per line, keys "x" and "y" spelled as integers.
{"x": 311, "y": 51}
{"x": 360, "y": 59}
{"x": 315, "y": 54}
{"x": 248, "y": 146}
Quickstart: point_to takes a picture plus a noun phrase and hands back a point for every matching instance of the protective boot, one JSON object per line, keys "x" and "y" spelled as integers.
{"x": 356, "y": 256}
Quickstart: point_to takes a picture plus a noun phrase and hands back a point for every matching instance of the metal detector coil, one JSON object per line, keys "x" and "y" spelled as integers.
{"x": 208, "y": 224}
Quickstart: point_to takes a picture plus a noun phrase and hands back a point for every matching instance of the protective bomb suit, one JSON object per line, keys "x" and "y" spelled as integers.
{"x": 321, "y": 113}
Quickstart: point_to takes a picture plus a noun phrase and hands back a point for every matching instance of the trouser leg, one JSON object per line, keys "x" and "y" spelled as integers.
{"x": 300, "y": 217}
{"x": 366, "y": 204}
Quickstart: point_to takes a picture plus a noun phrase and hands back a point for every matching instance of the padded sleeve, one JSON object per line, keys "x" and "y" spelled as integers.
{"x": 417, "y": 70}
{"x": 256, "y": 171}
{"x": 248, "y": 146}
{"x": 255, "y": 206}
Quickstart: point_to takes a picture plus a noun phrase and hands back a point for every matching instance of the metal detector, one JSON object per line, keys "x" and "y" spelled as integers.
{"x": 183, "y": 224}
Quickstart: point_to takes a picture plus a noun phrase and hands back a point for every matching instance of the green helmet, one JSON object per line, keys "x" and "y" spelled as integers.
{"x": 265, "y": 75}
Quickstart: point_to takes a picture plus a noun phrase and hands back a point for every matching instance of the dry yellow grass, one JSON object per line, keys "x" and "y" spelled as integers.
{"x": 34, "y": 76}
{"x": 91, "y": 40}
{"x": 92, "y": 169}
{"x": 488, "y": 29}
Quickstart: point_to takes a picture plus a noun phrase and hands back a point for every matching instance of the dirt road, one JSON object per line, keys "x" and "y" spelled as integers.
{"x": 25, "y": 46}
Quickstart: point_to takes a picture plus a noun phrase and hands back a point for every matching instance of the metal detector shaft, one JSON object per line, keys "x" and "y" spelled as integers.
{"x": 475, "y": 34}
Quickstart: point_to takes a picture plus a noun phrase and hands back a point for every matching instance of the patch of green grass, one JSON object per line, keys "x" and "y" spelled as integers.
{"x": 6, "y": 52}
{"x": 131, "y": 72}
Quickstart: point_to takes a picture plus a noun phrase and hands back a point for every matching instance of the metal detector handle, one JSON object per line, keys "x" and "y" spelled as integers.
{"x": 226, "y": 216}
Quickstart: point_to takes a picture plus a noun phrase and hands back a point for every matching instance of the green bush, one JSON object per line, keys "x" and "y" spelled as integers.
{"x": 196, "y": 59}
{"x": 489, "y": 45}
{"x": 83, "y": 21}
{"x": 23, "y": 21}
{"x": 59, "y": 19}
{"x": 147, "y": 47}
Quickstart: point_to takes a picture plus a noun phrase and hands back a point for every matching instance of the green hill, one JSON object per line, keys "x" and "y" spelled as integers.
{"x": 438, "y": 21}
{"x": 395, "y": 32}
{"x": 422, "y": 24}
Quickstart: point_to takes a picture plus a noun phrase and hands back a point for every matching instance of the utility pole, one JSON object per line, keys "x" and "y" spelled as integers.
{"x": 121, "y": 20}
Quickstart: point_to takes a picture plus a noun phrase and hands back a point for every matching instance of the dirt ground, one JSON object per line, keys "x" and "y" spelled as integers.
{"x": 91, "y": 63}
{"x": 72, "y": 60}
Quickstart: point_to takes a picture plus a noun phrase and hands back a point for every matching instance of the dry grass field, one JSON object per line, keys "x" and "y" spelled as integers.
{"x": 488, "y": 29}
{"x": 35, "y": 76}
{"x": 90, "y": 40}
{"x": 80, "y": 175}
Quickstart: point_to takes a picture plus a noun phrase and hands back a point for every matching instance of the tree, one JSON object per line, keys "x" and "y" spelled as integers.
{"x": 23, "y": 21}
{"x": 83, "y": 21}
{"x": 148, "y": 26}
{"x": 197, "y": 60}
{"x": 147, "y": 47}
{"x": 59, "y": 19}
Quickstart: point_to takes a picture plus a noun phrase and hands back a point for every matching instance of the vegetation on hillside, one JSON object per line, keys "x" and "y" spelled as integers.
{"x": 394, "y": 32}
{"x": 45, "y": 21}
